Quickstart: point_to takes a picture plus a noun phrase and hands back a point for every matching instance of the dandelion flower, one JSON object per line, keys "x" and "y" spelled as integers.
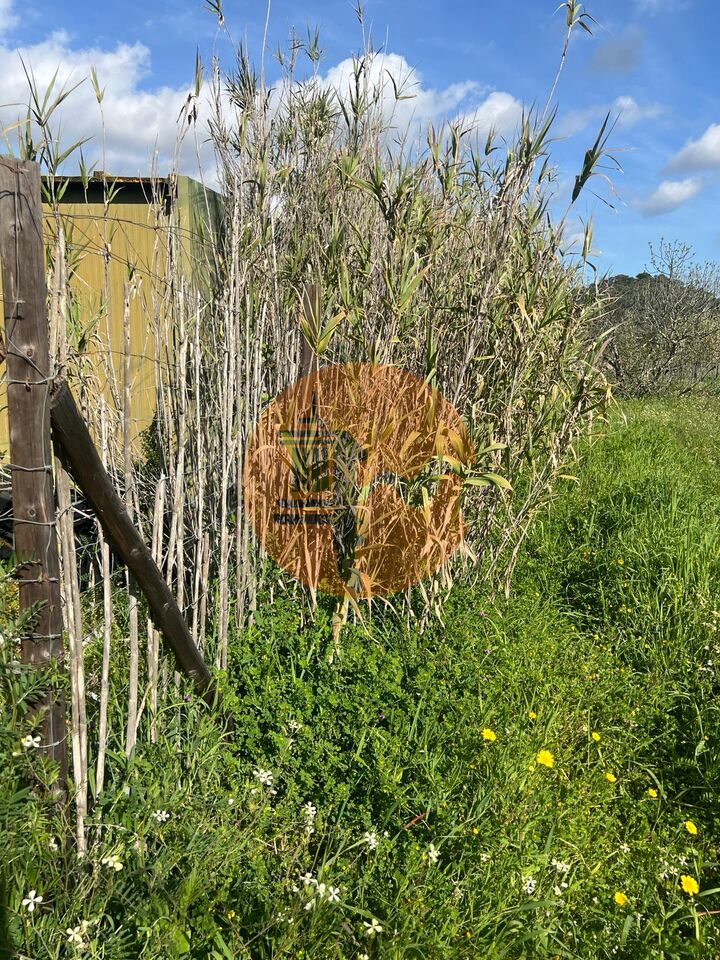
{"x": 32, "y": 900}
{"x": 652, "y": 793}
{"x": 545, "y": 758}
{"x": 691, "y": 828}
{"x": 532, "y": 715}
{"x": 611, "y": 778}
{"x": 489, "y": 734}
{"x": 689, "y": 885}
{"x": 620, "y": 898}
{"x": 596, "y": 736}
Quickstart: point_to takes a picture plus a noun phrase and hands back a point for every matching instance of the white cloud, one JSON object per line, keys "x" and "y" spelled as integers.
{"x": 500, "y": 112}
{"x": 141, "y": 123}
{"x": 467, "y": 101}
{"x": 700, "y": 154}
{"x": 669, "y": 195}
{"x": 8, "y": 19}
{"x": 627, "y": 110}
{"x": 137, "y": 121}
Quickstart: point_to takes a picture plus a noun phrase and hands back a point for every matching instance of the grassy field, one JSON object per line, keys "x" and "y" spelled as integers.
{"x": 534, "y": 778}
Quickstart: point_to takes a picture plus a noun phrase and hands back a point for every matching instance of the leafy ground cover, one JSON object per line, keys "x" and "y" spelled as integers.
{"x": 532, "y": 778}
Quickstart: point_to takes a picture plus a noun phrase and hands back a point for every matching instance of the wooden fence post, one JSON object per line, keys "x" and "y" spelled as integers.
{"x": 22, "y": 255}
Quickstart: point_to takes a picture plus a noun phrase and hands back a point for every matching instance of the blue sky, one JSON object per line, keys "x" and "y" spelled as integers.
{"x": 655, "y": 62}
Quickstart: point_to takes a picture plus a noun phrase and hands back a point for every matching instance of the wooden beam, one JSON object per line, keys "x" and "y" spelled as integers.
{"x": 76, "y": 450}
{"x": 22, "y": 254}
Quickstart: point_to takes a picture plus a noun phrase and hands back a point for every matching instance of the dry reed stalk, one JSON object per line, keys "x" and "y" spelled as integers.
{"x": 153, "y": 637}
{"x": 107, "y": 620}
{"x": 133, "y": 632}
{"x": 70, "y": 589}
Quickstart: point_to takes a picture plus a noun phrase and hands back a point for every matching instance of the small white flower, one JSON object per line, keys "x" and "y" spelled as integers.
{"x": 321, "y": 890}
{"x": 74, "y": 936}
{"x": 264, "y": 777}
{"x": 371, "y": 929}
{"x": 433, "y": 853}
{"x": 308, "y": 879}
{"x": 30, "y": 743}
{"x": 113, "y": 862}
{"x": 93, "y": 695}
{"x": 333, "y": 894}
{"x": 364, "y": 956}
{"x": 310, "y": 904}
{"x": 294, "y": 726}
{"x": 162, "y": 816}
{"x": 371, "y": 839}
{"x": 231, "y": 801}
{"x": 32, "y": 900}
{"x": 53, "y": 846}
{"x": 529, "y": 886}
{"x": 310, "y": 811}
{"x": 15, "y": 667}
{"x": 559, "y": 865}
{"x": 558, "y": 889}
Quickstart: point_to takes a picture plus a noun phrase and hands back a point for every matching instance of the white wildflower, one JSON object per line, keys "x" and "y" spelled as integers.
{"x": 433, "y": 853}
{"x": 32, "y": 900}
{"x": 162, "y": 816}
{"x": 559, "y": 865}
{"x": 53, "y": 846}
{"x": 333, "y": 894}
{"x": 30, "y": 743}
{"x": 75, "y": 938}
{"x": 308, "y": 879}
{"x": 529, "y": 885}
{"x": 371, "y": 929}
{"x": 113, "y": 861}
{"x": 371, "y": 839}
{"x": 264, "y": 777}
{"x": 294, "y": 726}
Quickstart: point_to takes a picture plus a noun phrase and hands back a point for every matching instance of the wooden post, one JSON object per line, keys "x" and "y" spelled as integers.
{"x": 76, "y": 449}
{"x": 22, "y": 255}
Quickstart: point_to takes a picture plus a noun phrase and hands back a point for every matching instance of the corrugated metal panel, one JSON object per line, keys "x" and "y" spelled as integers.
{"x": 137, "y": 234}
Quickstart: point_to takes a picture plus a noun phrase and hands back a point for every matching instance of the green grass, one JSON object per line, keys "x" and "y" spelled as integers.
{"x": 611, "y": 630}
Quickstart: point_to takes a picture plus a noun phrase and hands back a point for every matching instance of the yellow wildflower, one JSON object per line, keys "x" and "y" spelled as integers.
{"x": 532, "y": 714}
{"x": 545, "y": 758}
{"x": 690, "y": 827}
{"x": 596, "y": 736}
{"x": 489, "y": 734}
{"x": 610, "y": 777}
{"x": 620, "y": 898}
{"x": 689, "y": 885}
{"x": 652, "y": 793}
